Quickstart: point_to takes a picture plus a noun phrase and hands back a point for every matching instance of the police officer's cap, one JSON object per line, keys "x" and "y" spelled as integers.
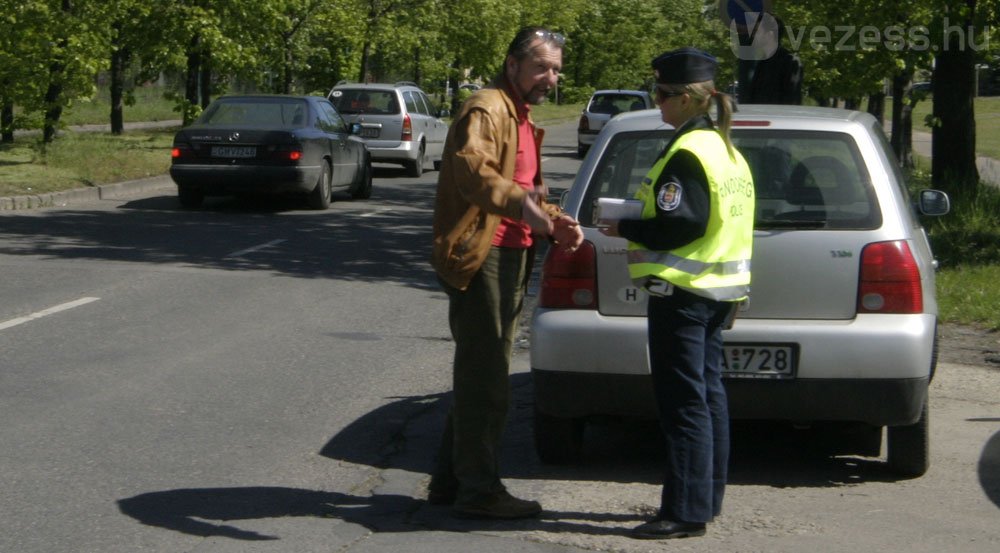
{"x": 684, "y": 66}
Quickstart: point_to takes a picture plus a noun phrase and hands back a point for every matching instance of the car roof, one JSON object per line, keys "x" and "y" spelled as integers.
{"x": 377, "y": 86}
{"x": 774, "y": 116}
{"x": 620, "y": 91}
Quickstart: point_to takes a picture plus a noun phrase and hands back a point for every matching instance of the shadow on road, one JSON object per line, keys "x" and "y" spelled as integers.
{"x": 392, "y": 246}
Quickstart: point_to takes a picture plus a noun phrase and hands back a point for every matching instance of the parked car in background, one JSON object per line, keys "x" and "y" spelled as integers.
{"x": 602, "y": 106}
{"x": 840, "y": 328}
{"x": 398, "y": 121}
{"x": 269, "y": 145}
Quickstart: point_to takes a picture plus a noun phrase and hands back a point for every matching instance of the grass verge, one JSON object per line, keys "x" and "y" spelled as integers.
{"x": 78, "y": 160}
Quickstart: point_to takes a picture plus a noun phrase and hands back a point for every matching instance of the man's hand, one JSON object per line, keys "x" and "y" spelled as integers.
{"x": 535, "y": 217}
{"x": 567, "y": 233}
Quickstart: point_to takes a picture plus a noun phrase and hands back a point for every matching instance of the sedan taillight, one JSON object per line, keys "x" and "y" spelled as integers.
{"x": 180, "y": 151}
{"x": 407, "y": 129}
{"x": 890, "y": 280}
{"x": 569, "y": 280}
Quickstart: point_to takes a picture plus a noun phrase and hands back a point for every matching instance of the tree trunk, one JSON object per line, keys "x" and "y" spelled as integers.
{"x": 953, "y": 149}
{"x": 191, "y": 82}
{"x": 119, "y": 60}
{"x": 899, "y": 146}
{"x": 205, "y": 81}
{"x": 876, "y": 106}
{"x": 365, "y": 53}
{"x": 7, "y": 121}
{"x": 286, "y": 77}
{"x": 53, "y": 94}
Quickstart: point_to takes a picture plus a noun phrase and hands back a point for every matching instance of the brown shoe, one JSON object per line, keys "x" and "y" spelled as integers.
{"x": 499, "y": 506}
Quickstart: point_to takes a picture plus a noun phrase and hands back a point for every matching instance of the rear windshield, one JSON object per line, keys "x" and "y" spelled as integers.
{"x": 615, "y": 103}
{"x": 256, "y": 112}
{"x": 803, "y": 179}
{"x": 357, "y": 100}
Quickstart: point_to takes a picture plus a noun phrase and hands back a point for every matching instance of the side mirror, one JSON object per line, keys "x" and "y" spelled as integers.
{"x": 933, "y": 202}
{"x": 356, "y": 129}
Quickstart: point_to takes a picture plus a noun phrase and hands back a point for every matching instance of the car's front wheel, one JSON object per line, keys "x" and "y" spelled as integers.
{"x": 558, "y": 440}
{"x": 319, "y": 198}
{"x": 908, "y": 446}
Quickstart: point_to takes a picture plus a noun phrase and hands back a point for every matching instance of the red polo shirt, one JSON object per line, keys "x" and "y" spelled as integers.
{"x": 511, "y": 233}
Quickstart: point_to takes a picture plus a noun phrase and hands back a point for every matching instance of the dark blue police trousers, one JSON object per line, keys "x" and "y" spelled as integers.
{"x": 685, "y": 355}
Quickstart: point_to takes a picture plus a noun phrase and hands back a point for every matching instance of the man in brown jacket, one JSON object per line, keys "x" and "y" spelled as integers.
{"x": 489, "y": 207}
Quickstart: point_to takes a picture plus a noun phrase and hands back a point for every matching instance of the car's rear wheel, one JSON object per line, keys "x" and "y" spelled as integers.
{"x": 415, "y": 168}
{"x": 190, "y": 197}
{"x": 581, "y": 149}
{"x": 363, "y": 190}
{"x": 558, "y": 441}
{"x": 319, "y": 198}
{"x": 908, "y": 446}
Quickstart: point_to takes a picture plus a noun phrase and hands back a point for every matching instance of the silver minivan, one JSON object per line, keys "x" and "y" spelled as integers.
{"x": 840, "y": 327}
{"x": 399, "y": 123}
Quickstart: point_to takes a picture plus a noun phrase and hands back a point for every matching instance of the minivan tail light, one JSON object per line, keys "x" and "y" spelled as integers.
{"x": 569, "y": 279}
{"x": 407, "y": 128}
{"x": 890, "y": 280}
{"x": 584, "y": 123}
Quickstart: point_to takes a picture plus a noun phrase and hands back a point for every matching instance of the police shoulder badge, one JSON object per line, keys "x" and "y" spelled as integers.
{"x": 669, "y": 196}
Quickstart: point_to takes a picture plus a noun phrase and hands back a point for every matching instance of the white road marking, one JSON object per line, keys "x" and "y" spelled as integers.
{"x": 46, "y": 312}
{"x": 256, "y": 248}
{"x": 374, "y": 213}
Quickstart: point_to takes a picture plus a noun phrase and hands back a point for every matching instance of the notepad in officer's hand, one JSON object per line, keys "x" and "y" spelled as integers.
{"x": 613, "y": 209}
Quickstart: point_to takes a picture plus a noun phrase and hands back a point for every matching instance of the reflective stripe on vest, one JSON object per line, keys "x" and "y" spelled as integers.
{"x": 717, "y": 265}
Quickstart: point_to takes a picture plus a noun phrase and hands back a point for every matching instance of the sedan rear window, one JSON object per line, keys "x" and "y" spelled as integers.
{"x": 803, "y": 179}
{"x": 255, "y": 112}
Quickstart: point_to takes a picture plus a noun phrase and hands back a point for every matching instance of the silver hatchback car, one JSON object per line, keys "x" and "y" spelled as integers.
{"x": 399, "y": 123}
{"x": 840, "y": 328}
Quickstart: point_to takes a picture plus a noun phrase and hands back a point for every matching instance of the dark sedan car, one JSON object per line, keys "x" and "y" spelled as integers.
{"x": 270, "y": 145}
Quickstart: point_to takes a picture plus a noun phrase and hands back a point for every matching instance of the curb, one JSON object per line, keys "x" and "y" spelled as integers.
{"x": 90, "y": 194}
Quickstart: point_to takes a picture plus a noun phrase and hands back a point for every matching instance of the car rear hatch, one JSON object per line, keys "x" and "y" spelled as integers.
{"x": 377, "y": 110}
{"x": 816, "y": 212}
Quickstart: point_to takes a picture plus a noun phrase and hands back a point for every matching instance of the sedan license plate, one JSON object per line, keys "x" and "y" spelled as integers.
{"x": 234, "y": 151}
{"x": 759, "y": 360}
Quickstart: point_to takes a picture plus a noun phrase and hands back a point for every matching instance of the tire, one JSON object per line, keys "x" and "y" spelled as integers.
{"x": 558, "y": 441}
{"x": 363, "y": 190}
{"x": 415, "y": 168}
{"x": 908, "y": 446}
{"x": 437, "y": 165}
{"x": 190, "y": 197}
{"x": 319, "y": 198}
{"x": 581, "y": 150}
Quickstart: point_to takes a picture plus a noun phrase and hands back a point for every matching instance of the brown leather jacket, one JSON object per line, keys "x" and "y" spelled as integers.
{"x": 475, "y": 185}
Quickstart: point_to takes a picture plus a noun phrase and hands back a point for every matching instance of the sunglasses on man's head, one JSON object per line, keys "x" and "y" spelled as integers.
{"x": 547, "y": 36}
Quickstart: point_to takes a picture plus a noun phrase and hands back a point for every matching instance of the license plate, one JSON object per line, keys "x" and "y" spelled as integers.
{"x": 234, "y": 151}
{"x": 370, "y": 132}
{"x": 759, "y": 360}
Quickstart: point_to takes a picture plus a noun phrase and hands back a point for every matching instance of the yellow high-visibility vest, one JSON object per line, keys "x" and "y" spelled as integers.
{"x": 717, "y": 265}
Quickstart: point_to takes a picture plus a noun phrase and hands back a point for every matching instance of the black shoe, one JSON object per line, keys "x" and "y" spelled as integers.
{"x": 667, "y": 529}
{"x": 499, "y": 506}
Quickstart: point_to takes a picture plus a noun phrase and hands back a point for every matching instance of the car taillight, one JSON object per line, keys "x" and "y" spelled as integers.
{"x": 569, "y": 280}
{"x": 407, "y": 129}
{"x": 295, "y": 155}
{"x": 584, "y": 123}
{"x": 178, "y": 152}
{"x": 890, "y": 279}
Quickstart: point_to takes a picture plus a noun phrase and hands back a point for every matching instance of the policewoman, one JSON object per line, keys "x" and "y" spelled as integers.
{"x": 691, "y": 252}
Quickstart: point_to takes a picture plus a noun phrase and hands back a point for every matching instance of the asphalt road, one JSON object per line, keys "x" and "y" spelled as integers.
{"x": 260, "y": 377}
